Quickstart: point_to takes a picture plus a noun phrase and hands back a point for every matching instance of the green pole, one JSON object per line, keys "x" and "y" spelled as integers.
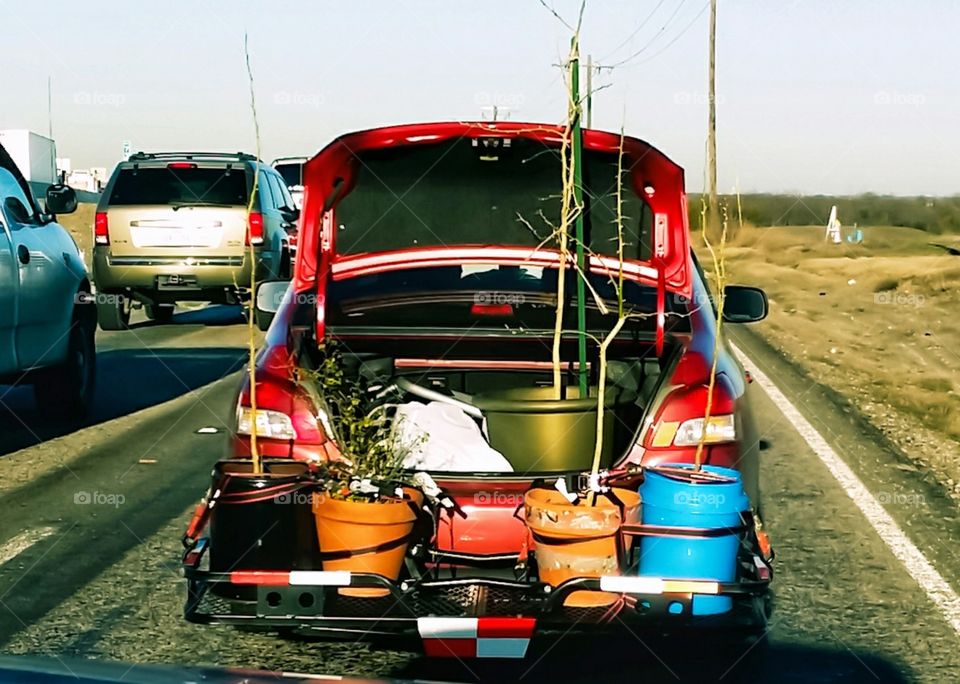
{"x": 577, "y": 144}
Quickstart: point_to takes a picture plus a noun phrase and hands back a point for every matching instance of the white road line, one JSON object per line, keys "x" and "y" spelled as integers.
{"x": 22, "y": 542}
{"x": 921, "y": 570}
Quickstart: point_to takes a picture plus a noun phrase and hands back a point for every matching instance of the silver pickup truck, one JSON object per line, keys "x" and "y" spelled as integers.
{"x": 47, "y": 317}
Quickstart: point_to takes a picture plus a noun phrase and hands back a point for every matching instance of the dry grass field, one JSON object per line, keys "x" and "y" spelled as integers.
{"x": 80, "y": 225}
{"x": 879, "y": 322}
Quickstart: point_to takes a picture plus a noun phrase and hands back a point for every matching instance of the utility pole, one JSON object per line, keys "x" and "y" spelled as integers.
{"x": 49, "y": 107}
{"x": 589, "y": 91}
{"x": 713, "y": 206}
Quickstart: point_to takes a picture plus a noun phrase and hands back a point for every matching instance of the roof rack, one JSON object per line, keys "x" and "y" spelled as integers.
{"x": 237, "y": 156}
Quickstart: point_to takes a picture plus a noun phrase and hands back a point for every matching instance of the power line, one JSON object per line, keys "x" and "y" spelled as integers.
{"x": 676, "y": 37}
{"x": 635, "y": 31}
{"x": 654, "y": 38}
{"x": 713, "y": 204}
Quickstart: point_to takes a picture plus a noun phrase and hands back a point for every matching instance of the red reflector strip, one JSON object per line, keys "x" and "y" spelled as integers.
{"x": 450, "y": 648}
{"x": 491, "y": 310}
{"x": 263, "y": 577}
{"x": 485, "y": 637}
{"x": 521, "y": 627}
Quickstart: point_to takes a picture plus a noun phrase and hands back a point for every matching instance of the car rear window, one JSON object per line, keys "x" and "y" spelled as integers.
{"x": 445, "y": 297}
{"x": 291, "y": 172}
{"x": 472, "y": 192}
{"x": 164, "y": 185}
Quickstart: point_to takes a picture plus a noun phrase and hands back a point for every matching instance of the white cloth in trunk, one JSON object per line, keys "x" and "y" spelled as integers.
{"x": 444, "y": 438}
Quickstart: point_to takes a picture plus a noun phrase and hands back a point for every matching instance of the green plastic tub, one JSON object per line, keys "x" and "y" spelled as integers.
{"x": 538, "y": 433}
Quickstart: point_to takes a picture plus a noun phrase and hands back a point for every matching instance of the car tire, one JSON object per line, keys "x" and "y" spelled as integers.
{"x": 113, "y": 312}
{"x": 285, "y": 272}
{"x": 160, "y": 313}
{"x": 66, "y": 390}
{"x": 261, "y": 319}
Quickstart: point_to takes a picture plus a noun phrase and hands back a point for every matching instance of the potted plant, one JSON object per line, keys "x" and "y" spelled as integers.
{"x": 577, "y": 534}
{"x": 365, "y": 507}
{"x": 248, "y": 529}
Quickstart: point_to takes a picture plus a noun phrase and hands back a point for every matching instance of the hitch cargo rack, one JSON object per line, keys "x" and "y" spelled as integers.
{"x": 453, "y": 617}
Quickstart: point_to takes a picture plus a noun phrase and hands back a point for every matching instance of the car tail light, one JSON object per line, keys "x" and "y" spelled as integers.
{"x": 282, "y": 412}
{"x": 720, "y": 429}
{"x": 101, "y": 232}
{"x": 255, "y": 228}
{"x": 679, "y": 421}
{"x": 270, "y": 424}
{"x": 181, "y": 165}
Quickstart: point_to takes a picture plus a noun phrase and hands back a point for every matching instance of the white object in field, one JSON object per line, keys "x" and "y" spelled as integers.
{"x": 82, "y": 179}
{"x": 127, "y": 150}
{"x": 833, "y": 227}
{"x": 35, "y": 155}
{"x": 443, "y": 438}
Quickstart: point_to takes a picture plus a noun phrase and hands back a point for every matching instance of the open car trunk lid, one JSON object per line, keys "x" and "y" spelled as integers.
{"x": 460, "y": 193}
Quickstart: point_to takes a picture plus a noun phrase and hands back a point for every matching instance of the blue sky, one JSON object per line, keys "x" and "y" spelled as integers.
{"x": 830, "y": 96}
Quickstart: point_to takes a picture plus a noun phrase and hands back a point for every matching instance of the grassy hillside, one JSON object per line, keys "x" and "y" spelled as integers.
{"x": 80, "y": 225}
{"x": 876, "y": 321}
{"x": 929, "y": 214}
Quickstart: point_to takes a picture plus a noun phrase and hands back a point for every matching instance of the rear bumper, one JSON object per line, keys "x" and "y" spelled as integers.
{"x": 469, "y": 617}
{"x": 140, "y": 272}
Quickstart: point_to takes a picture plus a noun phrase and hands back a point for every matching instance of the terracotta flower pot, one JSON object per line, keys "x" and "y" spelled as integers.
{"x": 557, "y": 525}
{"x": 353, "y": 525}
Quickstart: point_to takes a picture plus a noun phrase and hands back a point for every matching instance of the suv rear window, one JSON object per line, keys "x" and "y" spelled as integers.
{"x": 443, "y": 297}
{"x": 195, "y": 186}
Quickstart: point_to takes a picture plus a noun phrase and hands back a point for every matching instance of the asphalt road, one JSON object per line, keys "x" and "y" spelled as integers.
{"x": 91, "y": 517}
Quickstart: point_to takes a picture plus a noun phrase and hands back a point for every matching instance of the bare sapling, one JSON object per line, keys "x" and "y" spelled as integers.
{"x": 257, "y": 462}
{"x": 718, "y": 259}
{"x": 569, "y": 208}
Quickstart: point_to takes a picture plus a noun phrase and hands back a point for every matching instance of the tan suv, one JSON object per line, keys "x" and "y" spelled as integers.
{"x": 172, "y": 227}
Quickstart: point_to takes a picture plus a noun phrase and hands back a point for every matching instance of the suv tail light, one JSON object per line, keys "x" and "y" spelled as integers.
{"x": 255, "y": 228}
{"x": 101, "y": 231}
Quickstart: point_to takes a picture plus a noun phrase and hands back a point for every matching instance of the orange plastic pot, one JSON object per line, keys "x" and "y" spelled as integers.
{"x": 355, "y": 525}
{"x": 557, "y": 526}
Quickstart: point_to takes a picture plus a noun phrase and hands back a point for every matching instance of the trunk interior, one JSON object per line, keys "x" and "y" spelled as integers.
{"x": 507, "y": 405}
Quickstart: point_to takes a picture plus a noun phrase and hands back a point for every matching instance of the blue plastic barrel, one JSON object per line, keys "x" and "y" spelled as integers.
{"x": 675, "y": 501}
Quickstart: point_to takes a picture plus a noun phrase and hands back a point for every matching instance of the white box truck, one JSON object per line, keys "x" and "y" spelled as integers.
{"x": 34, "y": 154}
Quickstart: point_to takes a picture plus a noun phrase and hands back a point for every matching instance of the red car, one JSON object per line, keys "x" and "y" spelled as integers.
{"x": 424, "y": 246}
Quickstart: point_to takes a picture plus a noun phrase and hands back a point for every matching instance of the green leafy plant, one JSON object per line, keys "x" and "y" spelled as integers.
{"x": 371, "y": 455}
